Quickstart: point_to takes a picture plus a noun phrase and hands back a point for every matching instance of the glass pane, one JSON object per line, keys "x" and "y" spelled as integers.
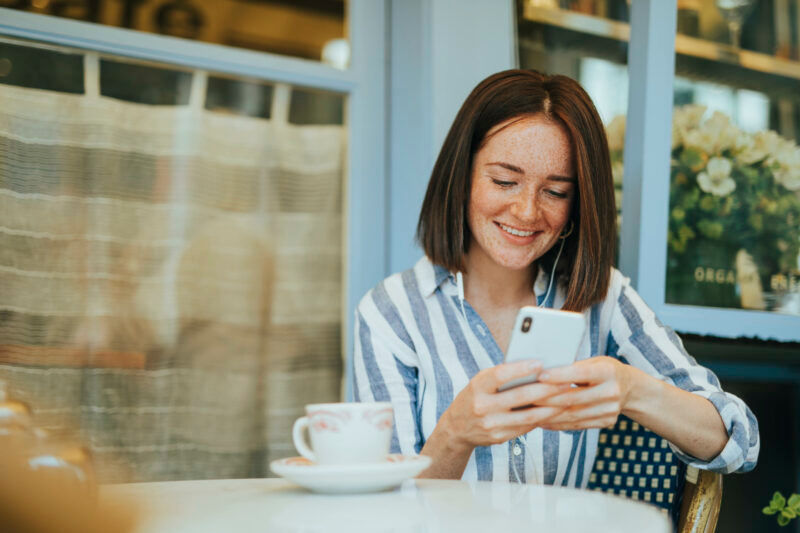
{"x": 171, "y": 274}
{"x": 584, "y": 41}
{"x": 152, "y": 85}
{"x": 227, "y": 95}
{"x": 734, "y": 227}
{"x": 311, "y": 29}
{"x": 315, "y": 107}
{"x": 41, "y": 68}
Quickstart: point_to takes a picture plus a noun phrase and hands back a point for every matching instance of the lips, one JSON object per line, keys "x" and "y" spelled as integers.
{"x": 517, "y": 233}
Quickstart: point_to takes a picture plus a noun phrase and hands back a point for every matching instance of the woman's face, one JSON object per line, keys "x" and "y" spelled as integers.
{"x": 523, "y": 183}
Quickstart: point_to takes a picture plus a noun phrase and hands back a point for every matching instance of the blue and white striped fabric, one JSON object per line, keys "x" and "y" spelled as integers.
{"x": 417, "y": 347}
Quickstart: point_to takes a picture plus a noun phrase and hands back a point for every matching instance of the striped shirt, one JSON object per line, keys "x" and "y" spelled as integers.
{"x": 417, "y": 345}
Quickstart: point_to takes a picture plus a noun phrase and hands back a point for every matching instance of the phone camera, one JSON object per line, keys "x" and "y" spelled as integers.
{"x": 526, "y": 324}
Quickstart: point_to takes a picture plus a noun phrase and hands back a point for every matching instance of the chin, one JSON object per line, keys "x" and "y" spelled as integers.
{"x": 520, "y": 263}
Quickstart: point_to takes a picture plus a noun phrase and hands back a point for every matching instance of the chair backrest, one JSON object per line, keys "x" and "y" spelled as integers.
{"x": 634, "y": 462}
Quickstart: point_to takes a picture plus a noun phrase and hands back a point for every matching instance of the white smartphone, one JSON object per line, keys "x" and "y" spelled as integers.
{"x": 549, "y": 335}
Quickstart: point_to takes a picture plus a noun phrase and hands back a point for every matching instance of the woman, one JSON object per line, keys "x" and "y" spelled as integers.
{"x": 521, "y": 196}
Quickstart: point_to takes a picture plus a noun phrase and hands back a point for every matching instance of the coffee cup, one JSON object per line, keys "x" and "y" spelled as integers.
{"x": 345, "y": 433}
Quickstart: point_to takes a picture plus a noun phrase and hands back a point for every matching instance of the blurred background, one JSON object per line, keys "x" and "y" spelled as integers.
{"x": 195, "y": 195}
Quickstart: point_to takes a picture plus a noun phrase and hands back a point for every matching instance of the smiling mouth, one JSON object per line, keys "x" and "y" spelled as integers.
{"x": 512, "y": 231}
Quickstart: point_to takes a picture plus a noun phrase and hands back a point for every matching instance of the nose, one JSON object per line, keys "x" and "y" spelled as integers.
{"x": 525, "y": 208}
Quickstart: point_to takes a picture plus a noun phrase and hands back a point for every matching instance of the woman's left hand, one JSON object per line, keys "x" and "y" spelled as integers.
{"x": 603, "y": 389}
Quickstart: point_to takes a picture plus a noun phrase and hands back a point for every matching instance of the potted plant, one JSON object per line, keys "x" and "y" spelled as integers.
{"x": 734, "y": 219}
{"x": 787, "y": 510}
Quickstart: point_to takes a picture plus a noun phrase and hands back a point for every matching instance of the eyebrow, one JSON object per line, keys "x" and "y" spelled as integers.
{"x": 507, "y": 166}
{"x": 518, "y": 170}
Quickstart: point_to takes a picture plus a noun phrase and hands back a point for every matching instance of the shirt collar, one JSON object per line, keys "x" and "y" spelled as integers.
{"x": 431, "y": 277}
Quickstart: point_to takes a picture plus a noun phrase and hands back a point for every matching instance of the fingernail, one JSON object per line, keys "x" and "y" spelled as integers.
{"x": 544, "y": 376}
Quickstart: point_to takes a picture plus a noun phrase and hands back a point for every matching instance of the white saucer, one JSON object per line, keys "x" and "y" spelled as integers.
{"x": 342, "y": 479}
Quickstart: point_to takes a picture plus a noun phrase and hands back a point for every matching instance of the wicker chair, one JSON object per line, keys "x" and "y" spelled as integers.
{"x": 702, "y": 496}
{"x": 636, "y": 463}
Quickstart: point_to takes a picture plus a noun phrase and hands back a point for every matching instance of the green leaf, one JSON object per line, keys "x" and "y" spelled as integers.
{"x": 769, "y": 510}
{"x": 782, "y": 520}
{"x": 693, "y": 159}
{"x": 794, "y": 501}
{"x": 712, "y": 230}
{"x": 788, "y": 512}
{"x": 707, "y": 203}
{"x": 778, "y": 501}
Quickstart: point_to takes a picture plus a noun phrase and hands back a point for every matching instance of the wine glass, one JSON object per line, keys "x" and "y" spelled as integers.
{"x": 734, "y": 12}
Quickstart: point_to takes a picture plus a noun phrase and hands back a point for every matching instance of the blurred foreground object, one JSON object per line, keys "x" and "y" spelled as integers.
{"x": 15, "y": 417}
{"x": 32, "y": 503}
{"x": 46, "y": 484}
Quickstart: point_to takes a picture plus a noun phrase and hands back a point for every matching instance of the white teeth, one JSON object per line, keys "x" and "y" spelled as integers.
{"x": 518, "y": 233}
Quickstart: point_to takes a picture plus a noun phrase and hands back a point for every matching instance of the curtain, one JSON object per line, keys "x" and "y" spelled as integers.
{"x": 170, "y": 278}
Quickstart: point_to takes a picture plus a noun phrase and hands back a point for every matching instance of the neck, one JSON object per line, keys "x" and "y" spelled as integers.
{"x": 485, "y": 280}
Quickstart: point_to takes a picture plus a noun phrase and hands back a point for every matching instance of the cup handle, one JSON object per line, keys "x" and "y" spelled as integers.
{"x": 298, "y": 430}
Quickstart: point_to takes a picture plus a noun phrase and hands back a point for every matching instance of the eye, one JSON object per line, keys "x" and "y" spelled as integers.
{"x": 557, "y": 194}
{"x": 502, "y": 183}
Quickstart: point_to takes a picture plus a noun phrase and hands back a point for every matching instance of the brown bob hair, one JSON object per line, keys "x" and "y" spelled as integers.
{"x": 588, "y": 255}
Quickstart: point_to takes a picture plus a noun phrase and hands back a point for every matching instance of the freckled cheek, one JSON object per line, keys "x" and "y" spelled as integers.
{"x": 481, "y": 210}
{"x": 556, "y": 221}
{"x": 557, "y": 215}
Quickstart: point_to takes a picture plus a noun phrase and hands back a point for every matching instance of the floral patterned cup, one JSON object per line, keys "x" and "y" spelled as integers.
{"x": 345, "y": 433}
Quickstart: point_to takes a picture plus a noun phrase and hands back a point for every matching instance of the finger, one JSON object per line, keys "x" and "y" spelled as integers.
{"x": 524, "y": 395}
{"x": 490, "y": 379}
{"x": 586, "y": 371}
{"x": 600, "y": 422}
{"x": 577, "y": 414}
{"x": 574, "y": 396}
{"x": 529, "y": 418}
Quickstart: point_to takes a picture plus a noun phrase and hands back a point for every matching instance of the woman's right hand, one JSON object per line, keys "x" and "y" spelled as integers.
{"x": 482, "y": 416}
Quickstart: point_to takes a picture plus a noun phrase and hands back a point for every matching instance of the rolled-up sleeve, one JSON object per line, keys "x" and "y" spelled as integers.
{"x": 386, "y": 368}
{"x": 640, "y": 339}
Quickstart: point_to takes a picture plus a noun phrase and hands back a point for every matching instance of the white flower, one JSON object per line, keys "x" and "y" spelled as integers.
{"x": 761, "y": 145}
{"x": 615, "y": 131}
{"x": 717, "y": 177}
{"x": 684, "y": 119}
{"x": 688, "y": 116}
{"x": 786, "y": 155}
{"x": 616, "y": 171}
{"x": 716, "y": 134}
{"x": 789, "y": 177}
{"x": 700, "y": 140}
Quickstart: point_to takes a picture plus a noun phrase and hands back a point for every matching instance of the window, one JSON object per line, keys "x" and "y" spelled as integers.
{"x": 171, "y": 258}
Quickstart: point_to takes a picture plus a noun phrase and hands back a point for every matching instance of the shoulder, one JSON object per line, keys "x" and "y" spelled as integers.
{"x": 395, "y": 291}
{"x": 622, "y": 304}
{"x": 618, "y": 283}
{"x": 630, "y": 308}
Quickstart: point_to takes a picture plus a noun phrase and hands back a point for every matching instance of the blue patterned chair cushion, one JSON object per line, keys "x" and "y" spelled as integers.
{"x": 634, "y": 462}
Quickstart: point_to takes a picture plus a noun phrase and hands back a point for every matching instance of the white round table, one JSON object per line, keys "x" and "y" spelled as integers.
{"x": 421, "y": 505}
